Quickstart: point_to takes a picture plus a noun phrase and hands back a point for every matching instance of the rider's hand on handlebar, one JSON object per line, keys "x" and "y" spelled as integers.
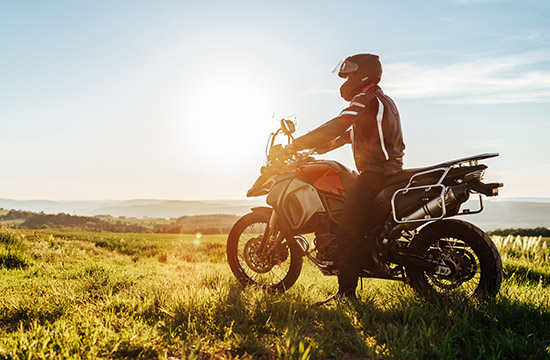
{"x": 289, "y": 149}
{"x": 280, "y": 152}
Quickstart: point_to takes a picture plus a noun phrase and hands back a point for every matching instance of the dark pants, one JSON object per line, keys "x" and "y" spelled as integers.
{"x": 357, "y": 221}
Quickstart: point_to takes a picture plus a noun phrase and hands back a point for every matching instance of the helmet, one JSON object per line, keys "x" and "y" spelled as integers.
{"x": 359, "y": 71}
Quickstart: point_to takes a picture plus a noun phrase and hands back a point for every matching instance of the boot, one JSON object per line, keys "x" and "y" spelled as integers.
{"x": 341, "y": 294}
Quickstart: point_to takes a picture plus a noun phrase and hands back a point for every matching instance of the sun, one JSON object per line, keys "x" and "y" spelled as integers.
{"x": 227, "y": 117}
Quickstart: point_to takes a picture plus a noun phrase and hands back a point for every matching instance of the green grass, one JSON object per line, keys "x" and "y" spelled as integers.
{"x": 90, "y": 295}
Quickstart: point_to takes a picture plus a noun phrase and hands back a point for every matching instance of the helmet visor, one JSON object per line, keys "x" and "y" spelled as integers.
{"x": 345, "y": 67}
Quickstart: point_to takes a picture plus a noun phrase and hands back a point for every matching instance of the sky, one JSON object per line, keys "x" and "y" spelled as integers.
{"x": 176, "y": 99}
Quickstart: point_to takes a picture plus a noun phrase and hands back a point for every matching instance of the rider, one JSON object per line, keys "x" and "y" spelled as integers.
{"x": 372, "y": 125}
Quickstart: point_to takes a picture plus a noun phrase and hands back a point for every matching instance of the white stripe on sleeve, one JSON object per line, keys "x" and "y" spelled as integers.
{"x": 348, "y": 112}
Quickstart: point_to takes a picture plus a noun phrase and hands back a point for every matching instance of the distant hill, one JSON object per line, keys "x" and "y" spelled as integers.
{"x": 498, "y": 213}
{"x": 135, "y": 208}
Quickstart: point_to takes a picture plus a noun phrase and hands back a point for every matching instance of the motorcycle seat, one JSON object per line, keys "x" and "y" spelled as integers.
{"x": 404, "y": 175}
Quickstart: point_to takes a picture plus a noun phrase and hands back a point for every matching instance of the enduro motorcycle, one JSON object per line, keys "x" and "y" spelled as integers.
{"x": 416, "y": 238}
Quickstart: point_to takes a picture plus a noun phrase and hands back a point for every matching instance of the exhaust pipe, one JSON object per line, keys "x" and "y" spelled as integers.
{"x": 434, "y": 208}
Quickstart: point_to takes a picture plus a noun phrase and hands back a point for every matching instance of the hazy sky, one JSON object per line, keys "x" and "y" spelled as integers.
{"x": 175, "y": 99}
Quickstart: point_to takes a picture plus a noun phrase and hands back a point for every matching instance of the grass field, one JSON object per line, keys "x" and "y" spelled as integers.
{"x": 90, "y": 295}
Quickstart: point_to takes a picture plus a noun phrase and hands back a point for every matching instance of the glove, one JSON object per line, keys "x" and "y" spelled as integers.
{"x": 280, "y": 152}
{"x": 289, "y": 149}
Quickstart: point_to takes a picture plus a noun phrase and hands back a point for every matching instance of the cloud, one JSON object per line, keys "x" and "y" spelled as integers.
{"x": 518, "y": 78}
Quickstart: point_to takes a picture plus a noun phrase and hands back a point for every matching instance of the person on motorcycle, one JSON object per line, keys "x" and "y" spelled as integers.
{"x": 371, "y": 123}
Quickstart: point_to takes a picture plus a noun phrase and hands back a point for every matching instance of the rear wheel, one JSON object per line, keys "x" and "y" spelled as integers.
{"x": 471, "y": 264}
{"x": 280, "y": 265}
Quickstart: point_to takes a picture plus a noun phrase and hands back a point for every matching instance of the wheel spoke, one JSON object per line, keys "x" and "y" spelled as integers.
{"x": 461, "y": 259}
{"x": 267, "y": 271}
{"x": 466, "y": 262}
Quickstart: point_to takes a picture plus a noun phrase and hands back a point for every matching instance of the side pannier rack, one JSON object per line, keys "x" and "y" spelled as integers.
{"x": 438, "y": 198}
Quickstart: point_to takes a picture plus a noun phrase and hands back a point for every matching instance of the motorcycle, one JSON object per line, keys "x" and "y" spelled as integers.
{"x": 419, "y": 242}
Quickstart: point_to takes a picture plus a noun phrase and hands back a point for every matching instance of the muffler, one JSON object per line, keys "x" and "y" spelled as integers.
{"x": 438, "y": 207}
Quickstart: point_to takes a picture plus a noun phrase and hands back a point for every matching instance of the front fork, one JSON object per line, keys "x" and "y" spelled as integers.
{"x": 269, "y": 232}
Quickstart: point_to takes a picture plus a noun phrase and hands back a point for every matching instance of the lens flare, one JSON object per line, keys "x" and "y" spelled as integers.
{"x": 197, "y": 240}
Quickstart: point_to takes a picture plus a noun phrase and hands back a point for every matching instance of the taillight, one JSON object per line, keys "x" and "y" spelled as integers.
{"x": 474, "y": 175}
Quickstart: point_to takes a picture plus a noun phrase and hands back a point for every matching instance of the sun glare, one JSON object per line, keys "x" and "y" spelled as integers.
{"x": 227, "y": 117}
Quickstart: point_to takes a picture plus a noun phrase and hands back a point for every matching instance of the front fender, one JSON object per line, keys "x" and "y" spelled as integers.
{"x": 263, "y": 210}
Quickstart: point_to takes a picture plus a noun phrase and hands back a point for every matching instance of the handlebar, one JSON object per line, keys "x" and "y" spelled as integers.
{"x": 278, "y": 153}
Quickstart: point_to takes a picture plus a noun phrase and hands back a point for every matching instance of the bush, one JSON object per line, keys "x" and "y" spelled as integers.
{"x": 11, "y": 259}
{"x": 8, "y": 237}
{"x": 12, "y": 251}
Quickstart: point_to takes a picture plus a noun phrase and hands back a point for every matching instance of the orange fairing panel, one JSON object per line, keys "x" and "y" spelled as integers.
{"x": 323, "y": 177}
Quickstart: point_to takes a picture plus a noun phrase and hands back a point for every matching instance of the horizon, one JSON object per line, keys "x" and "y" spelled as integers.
{"x": 175, "y": 100}
{"x": 514, "y": 212}
{"x": 245, "y": 199}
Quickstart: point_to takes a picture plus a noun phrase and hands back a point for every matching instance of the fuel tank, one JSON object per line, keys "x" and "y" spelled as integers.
{"x": 325, "y": 175}
{"x": 303, "y": 191}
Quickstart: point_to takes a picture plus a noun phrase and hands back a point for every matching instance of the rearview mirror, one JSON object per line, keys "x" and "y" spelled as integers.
{"x": 287, "y": 126}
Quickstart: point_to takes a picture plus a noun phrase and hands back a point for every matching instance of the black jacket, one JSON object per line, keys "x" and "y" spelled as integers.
{"x": 375, "y": 134}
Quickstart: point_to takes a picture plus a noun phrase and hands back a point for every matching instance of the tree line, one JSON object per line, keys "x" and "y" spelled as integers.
{"x": 205, "y": 224}
{"x": 538, "y": 231}
{"x": 86, "y": 223}
{"x": 189, "y": 224}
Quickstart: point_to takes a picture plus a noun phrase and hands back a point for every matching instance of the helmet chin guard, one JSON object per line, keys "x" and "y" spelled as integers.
{"x": 348, "y": 90}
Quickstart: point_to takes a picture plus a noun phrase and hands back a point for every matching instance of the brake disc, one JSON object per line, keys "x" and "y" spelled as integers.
{"x": 252, "y": 258}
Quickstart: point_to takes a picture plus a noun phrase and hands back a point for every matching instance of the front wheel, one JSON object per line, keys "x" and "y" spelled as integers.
{"x": 277, "y": 268}
{"x": 471, "y": 262}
